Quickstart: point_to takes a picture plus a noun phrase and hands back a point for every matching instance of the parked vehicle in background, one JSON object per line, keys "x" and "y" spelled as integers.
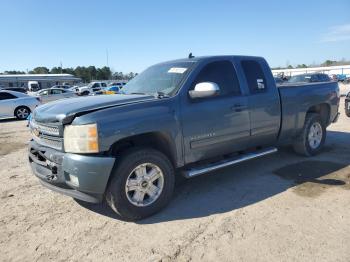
{"x": 109, "y": 90}
{"x": 61, "y": 86}
{"x": 118, "y": 84}
{"x": 309, "y": 78}
{"x": 341, "y": 77}
{"x": 52, "y": 94}
{"x": 90, "y": 88}
{"x": 278, "y": 80}
{"x": 16, "y": 89}
{"x": 333, "y": 77}
{"x": 33, "y": 86}
{"x": 347, "y": 105}
{"x": 16, "y": 104}
{"x": 188, "y": 116}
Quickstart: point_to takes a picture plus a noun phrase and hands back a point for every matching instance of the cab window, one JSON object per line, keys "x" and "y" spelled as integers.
{"x": 255, "y": 76}
{"x": 6, "y": 96}
{"x": 56, "y": 91}
{"x": 44, "y": 93}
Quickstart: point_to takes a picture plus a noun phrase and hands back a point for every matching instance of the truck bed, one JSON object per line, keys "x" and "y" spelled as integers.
{"x": 298, "y": 98}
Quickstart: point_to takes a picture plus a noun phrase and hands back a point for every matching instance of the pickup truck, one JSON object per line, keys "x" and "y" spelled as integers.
{"x": 184, "y": 117}
{"x": 90, "y": 88}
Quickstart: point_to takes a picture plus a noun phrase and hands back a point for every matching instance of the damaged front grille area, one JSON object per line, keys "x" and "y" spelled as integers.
{"x": 49, "y": 135}
{"x": 48, "y": 168}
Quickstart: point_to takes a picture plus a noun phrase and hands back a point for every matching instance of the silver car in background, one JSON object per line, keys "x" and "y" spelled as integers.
{"x": 52, "y": 94}
{"x": 16, "y": 104}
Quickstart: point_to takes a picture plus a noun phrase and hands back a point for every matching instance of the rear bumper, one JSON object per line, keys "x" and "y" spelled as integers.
{"x": 78, "y": 176}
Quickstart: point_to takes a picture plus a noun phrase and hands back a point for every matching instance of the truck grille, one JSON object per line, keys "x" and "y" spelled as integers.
{"x": 47, "y": 135}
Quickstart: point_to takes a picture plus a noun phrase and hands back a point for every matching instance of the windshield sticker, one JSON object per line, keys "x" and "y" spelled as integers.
{"x": 177, "y": 70}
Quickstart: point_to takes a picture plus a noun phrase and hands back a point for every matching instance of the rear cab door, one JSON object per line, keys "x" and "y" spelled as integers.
{"x": 263, "y": 100}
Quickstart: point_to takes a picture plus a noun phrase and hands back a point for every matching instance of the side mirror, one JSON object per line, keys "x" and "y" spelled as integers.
{"x": 204, "y": 89}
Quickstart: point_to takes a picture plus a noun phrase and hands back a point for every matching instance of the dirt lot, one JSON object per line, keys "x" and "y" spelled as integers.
{"x": 279, "y": 208}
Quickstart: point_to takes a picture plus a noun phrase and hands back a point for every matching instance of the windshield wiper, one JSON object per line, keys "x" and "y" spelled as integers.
{"x": 137, "y": 93}
{"x": 161, "y": 95}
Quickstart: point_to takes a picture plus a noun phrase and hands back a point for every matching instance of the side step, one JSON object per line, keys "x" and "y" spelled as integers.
{"x": 228, "y": 162}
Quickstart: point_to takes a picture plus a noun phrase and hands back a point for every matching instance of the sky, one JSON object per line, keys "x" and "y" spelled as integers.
{"x": 137, "y": 34}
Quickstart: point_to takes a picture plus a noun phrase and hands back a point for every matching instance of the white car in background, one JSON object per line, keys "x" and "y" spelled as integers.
{"x": 16, "y": 104}
{"x": 90, "y": 88}
{"x": 52, "y": 94}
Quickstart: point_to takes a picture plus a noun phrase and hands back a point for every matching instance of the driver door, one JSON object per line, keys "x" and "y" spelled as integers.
{"x": 218, "y": 125}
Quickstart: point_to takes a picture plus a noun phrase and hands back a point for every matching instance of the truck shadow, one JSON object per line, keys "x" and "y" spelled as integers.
{"x": 254, "y": 181}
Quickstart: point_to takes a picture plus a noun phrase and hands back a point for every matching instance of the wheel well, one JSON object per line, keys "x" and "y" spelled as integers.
{"x": 155, "y": 140}
{"x": 14, "y": 112}
{"x": 323, "y": 110}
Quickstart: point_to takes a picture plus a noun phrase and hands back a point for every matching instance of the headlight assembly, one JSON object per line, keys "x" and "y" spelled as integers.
{"x": 81, "y": 138}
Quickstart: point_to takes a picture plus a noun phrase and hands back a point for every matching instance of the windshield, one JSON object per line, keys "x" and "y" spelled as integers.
{"x": 162, "y": 78}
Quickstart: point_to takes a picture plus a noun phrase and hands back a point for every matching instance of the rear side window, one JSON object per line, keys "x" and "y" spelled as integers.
{"x": 223, "y": 74}
{"x": 56, "y": 91}
{"x": 255, "y": 76}
{"x": 5, "y": 96}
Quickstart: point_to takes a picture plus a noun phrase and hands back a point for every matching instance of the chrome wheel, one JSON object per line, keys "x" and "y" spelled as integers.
{"x": 315, "y": 135}
{"x": 22, "y": 113}
{"x": 144, "y": 184}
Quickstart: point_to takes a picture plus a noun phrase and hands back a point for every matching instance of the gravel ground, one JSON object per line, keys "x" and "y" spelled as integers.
{"x": 279, "y": 208}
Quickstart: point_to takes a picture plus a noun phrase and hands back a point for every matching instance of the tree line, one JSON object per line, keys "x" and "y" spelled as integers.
{"x": 325, "y": 63}
{"x": 86, "y": 73}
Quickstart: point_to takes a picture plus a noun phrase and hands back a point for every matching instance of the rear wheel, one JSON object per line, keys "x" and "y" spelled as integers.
{"x": 85, "y": 93}
{"x": 22, "y": 112}
{"x": 312, "y": 137}
{"x": 347, "y": 109}
{"x": 141, "y": 185}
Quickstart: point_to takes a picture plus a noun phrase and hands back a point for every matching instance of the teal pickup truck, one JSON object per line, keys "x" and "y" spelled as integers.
{"x": 184, "y": 117}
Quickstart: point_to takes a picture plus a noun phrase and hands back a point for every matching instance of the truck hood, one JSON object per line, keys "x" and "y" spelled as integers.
{"x": 65, "y": 110}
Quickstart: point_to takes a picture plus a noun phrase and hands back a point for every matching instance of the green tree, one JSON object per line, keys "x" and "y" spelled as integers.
{"x": 40, "y": 70}
{"x": 328, "y": 63}
{"x": 301, "y": 66}
{"x": 103, "y": 73}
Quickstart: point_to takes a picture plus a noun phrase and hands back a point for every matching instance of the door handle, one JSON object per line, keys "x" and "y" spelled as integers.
{"x": 238, "y": 107}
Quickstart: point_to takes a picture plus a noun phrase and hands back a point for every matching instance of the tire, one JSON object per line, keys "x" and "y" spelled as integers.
{"x": 347, "y": 110}
{"x": 123, "y": 201}
{"x": 304, "y": 145}
{"x": 85, "y": 93}
{"x": 22, "y": 112}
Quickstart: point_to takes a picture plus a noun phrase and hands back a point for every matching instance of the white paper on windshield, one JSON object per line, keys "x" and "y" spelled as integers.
{"x": 177, "y": 70}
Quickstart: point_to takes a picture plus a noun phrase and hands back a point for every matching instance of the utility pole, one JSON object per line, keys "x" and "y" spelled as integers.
{"x": 61, "y": 66}
{"x": 107, "y": 57}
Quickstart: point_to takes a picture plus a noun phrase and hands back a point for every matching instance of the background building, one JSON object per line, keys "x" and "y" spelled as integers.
{"x": 44, "y": 80}
{"x": 329, "y": 70}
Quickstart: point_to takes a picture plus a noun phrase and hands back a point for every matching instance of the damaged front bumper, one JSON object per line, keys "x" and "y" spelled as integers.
{"x": 83, "y": 177}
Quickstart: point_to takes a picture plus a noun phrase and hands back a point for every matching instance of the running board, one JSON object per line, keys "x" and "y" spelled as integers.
{"x": 228, "y": 162}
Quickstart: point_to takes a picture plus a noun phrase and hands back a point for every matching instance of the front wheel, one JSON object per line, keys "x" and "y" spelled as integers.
{"x": 142, "y": 184}
{"x": 312, "y": 137}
